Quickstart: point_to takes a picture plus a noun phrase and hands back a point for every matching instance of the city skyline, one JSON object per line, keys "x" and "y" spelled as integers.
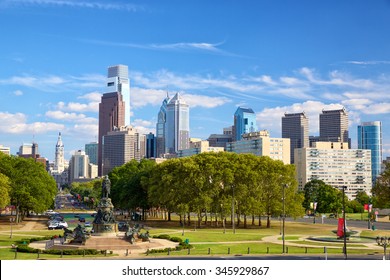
{"x": 274, "y": 57}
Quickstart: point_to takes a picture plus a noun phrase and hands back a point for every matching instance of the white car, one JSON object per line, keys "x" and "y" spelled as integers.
{"x": 57, "y": 225}
{"x": 50, "y": 212}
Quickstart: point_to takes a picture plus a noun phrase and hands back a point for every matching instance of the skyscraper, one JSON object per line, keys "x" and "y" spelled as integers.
{"x": 79, "y": 166}
{"x": 244, "y": 122}
{"x": 161, "y": 128}
{"x": 334, "y": 126}
{"x": 91, "y": 149}
{"x": 118, "y": 81}
{"x": 59, "y": 160}
{"x": 120, "y": 146}
{"x": 111, "y": 115}
{"x": 150, "y": 146}
{"x": 177, "y": 125}
{"x": 296, "y": 127}
{"x": 370, "y": 138}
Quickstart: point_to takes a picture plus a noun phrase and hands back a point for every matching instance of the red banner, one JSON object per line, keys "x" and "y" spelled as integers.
{"x": 340, "y": 228}
{"x": 365, "y": 207}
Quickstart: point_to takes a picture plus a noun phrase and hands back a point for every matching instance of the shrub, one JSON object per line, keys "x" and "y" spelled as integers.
{"x": 163, "y": 236}
{"x": 176, "y": 239}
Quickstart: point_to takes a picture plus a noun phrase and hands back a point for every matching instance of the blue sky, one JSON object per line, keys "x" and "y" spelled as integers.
{"x": 273, "y": 56}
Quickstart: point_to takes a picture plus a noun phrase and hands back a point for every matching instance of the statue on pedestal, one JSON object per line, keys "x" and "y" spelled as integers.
{"x": 104, "y": 221}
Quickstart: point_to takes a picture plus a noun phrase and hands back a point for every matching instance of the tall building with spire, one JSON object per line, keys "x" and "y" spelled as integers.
{"x": 118, "y": 81}
{"x": 59, "y": 160}
{"x": 177, "y": 125}
{"x": 161, "y": 128}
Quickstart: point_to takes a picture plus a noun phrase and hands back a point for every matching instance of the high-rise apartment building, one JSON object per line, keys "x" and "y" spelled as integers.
{"x": 336, "y": 165}
{"x": 118, "y": 81}
{"x": 261, "y": 144}
{"x": 119, "y": 147}
{"x": 334, "y": 126}
{"x": 31, "y": 151}
{"x": 111, "y": 115}
{"x": 296, "y": 127}
{"x": 5, "y": 150}
{"x": 177, "y": 126}
{"x": 370, "y": 137}
{"x": 91, "y": 149}
{"x": 244, "y": 122}
{"x": 59, "y": 159}
{"x": 161, "y": 129}
{"x": 79, "y": 166}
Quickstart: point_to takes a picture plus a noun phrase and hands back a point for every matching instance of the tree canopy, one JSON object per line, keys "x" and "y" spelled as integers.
{"x": 30, "y": 187}
{"x": 208, "y": 183}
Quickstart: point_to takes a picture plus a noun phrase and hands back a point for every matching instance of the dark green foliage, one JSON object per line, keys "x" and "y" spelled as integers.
{"x": 176, "y": 239}
{"x": 381, "y": 189}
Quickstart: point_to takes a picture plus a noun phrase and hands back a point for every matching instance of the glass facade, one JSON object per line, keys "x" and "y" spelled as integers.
{"x": 118, "y": 81}
{"x": 370, "y": 137}
{"x": 177, "y": 125}
{"x": 244, "y": 122}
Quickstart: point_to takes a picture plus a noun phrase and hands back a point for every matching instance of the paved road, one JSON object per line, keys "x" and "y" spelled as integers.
{"x": 350, "y": 223}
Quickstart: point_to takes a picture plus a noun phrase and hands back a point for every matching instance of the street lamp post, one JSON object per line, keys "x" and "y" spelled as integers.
{"x": 344, "y": 226}
{"x": 284, "y": 215}
{"x": 383, "y": 241}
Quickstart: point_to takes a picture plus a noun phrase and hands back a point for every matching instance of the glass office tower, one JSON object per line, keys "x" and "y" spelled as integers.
{"x": 370, "y": 138}
{"x": 244, "y": 122}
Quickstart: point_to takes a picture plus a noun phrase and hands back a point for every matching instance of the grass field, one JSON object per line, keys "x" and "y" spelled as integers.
{"x": 209, "y": 240}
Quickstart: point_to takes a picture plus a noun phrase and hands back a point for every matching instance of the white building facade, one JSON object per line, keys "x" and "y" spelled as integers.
{"x": 336, "y": 165}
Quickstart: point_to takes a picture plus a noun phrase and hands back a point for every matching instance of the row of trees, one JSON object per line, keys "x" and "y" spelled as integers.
{"x": 209, "y": 183}
{"x": 329, "y": 199}
{"x": 26, "y": 185}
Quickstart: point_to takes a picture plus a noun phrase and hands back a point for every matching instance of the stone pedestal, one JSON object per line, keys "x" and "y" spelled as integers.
{"x": 104, "y": 222}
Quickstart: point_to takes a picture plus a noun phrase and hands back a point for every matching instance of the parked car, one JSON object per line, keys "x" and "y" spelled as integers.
{"x": 57, "y": 225}
{"x": 82, "y": 219}
{"x": 87, "y": 224}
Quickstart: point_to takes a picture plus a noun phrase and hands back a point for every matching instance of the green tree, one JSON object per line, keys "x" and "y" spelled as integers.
{"x": 329, "y": 199}
{"x": 362, "y": 197}
{"x": 5, "y": 189}
{"x": 32, "y": 188}
{"x": 381, "y": 190}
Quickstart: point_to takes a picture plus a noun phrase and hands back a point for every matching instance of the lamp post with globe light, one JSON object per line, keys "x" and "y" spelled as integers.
{"x": 383, "y": 241}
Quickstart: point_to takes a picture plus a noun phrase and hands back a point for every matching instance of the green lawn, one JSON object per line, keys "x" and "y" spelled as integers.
{"x": 214, "y": 241}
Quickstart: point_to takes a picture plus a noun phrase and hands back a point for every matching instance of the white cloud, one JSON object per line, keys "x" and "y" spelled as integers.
{"x": 18, "y": 92}
{"x": 378, "y": 108}
{"x": 139, "y": 122}
{"x": 70, "y": 117}
{"x": 92, "y": 96}
{"x": 17, "y": 124}
{"x": 141, "y": 97}
{"x": 78, "y": 107}
{"x": 194, "y": 100}
{"x": 75, "y": 4}
{"x": 357, "y": 104}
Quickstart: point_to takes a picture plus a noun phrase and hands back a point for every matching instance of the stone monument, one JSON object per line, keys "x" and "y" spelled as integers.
{"x": 104, "y": 222}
